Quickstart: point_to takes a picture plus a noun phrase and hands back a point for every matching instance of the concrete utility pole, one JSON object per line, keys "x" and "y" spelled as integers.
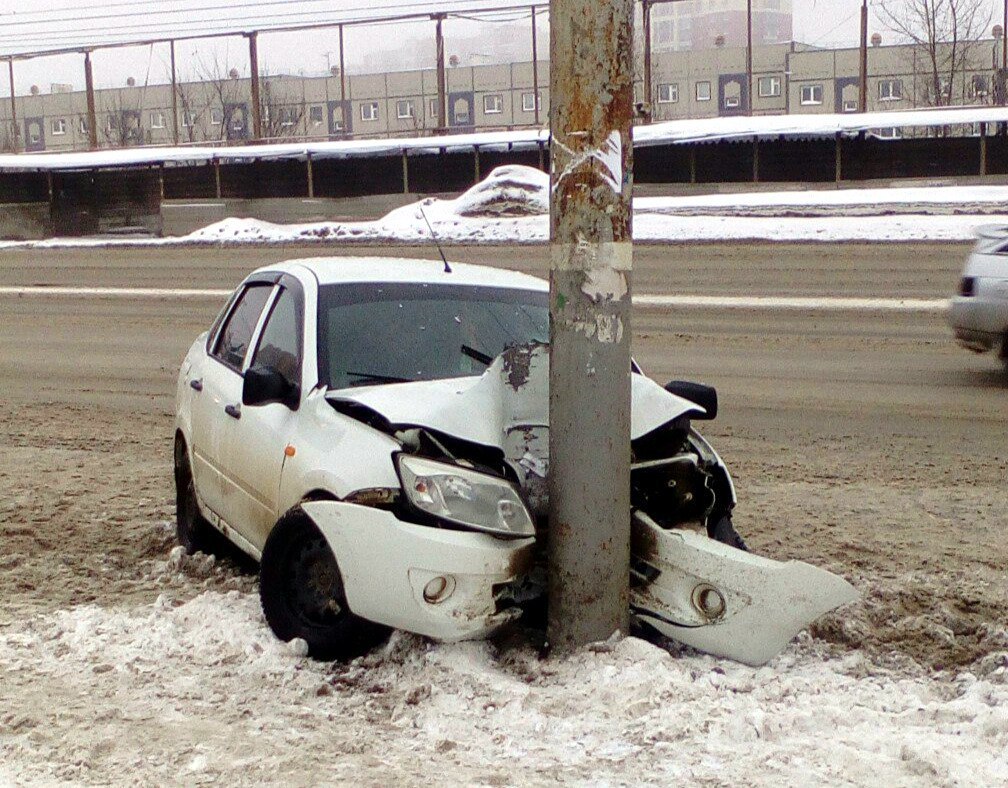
{"x": 591, "y": 56}
{"x": 253, "y": 38}
{"x": 15, "y": 129}
{"x": 342, "y": 84}
{"x": 863, "y": 88}
{"x": 442, "y": 110}
{"x": 748, "y": 57}
{"x": 92, "y": 118}
{"x": 1004, "y": 37}
{"x": 174, "y": 95}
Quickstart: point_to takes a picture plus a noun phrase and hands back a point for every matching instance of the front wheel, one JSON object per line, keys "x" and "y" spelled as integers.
{"x": 302, "y": 595}
{"x": 724, "y": 532}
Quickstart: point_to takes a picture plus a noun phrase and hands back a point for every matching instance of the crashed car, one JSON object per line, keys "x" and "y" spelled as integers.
{"x": 375, "y": 433}
{"x": 979, "y": 311}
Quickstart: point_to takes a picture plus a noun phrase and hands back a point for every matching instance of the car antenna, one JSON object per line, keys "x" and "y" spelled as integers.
{"x": 437, "y": 243}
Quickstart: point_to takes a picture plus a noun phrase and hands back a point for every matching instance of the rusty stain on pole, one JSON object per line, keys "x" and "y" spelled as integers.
{"x": 92, "y": 119}
{"x": 591, "y": 251}
{"x": 254, "y": 71}
{"x": 15, "y": 130}
{"x": 174, "y": 96}
{"x": 442, "y": 112}
{"x": 646, "y": 14}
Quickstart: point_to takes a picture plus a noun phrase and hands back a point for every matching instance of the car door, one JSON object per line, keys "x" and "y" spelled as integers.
{"x": 218, "y": 388}
{"x": 256, "y": 443}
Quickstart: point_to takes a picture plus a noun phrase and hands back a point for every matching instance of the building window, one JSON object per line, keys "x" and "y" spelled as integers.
{"x": 369, "y": 111}
{"x": 703, "y": 91}
{"x": 337, "y": 118}
{"x": 188, "y": 118}
{"x": 732, "y": 102}
{"x": 82, "y": 125}
{"x": 433, "y": 108}
{"x": 110, "y": 124}
{"x": 811, "y": 95}
{"x": 890, "y": 90}
{"x": 769, "y": 87}
{"x": 493, "y": 104}
{"x": 315, "y": 115}
{"x": 59, "y": 126}
{"x": 888, "y": 134}
{"x": 850, "y": 105}
{"x": 668, "y": 93}
{"x": 530, "y": 102}
{"x": 157, "y": 120}
{"x": 34, "y": 133}
{"x": 216, "y": 116}
{"x": 979, "y": 86}
{"x": 287, "y": 118}
{"x": 404, "y": 109}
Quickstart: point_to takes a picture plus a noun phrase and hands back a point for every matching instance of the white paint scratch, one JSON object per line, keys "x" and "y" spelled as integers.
{"x": 609, "y": 155}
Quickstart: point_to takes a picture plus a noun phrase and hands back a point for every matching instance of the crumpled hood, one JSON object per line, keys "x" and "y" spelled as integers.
{"x": 507, "y": 407}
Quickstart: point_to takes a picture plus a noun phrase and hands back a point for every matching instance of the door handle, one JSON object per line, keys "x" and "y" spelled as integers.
{"x": 196, "y": 384}
{"x": 234, "y": 411}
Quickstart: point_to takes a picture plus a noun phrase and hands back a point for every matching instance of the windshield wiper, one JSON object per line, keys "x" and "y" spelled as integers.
{"x": 374, "y": 377}
{"x": 476, "y": 355}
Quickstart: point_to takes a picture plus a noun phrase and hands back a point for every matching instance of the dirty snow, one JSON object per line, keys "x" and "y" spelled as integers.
{"x": 627, "y": 711}
{"x": 512, "y": 204}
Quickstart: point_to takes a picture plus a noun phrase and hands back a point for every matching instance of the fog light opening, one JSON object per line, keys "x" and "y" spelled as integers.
{"x": 439, "y": 589}
{"x": 709, "y": 601}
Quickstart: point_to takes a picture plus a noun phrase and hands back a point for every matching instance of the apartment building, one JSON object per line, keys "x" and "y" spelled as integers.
{"x": 710, "y": 83}
{"x": 705, "y": 24}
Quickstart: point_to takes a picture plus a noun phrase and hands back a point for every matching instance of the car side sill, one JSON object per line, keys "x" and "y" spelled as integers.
{"x": 230, "y": 533}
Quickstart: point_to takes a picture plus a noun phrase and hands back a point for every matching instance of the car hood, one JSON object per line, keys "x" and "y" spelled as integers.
{"x": 507, "y": 407}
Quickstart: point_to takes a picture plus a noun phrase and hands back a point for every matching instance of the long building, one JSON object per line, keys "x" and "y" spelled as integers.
{"x": 788, "y": 78}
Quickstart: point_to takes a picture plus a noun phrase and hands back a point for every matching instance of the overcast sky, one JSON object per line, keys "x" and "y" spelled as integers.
{"x": 35, "y": 24}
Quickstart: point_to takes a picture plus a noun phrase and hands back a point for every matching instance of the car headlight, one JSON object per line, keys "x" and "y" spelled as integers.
{"x": 463, "y": 496}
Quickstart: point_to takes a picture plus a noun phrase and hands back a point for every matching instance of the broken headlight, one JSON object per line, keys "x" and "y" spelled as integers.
{"x": 464, "y": 497}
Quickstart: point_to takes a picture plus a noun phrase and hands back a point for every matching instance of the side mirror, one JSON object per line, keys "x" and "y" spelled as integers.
{"x": 264, "y": 385}
{"x": 704, "y": 396}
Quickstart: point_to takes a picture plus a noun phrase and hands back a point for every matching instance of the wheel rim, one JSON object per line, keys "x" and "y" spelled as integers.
{"x": 314, "y": 589}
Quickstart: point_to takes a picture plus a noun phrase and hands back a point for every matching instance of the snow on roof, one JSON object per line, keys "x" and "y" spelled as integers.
{"x": 669, "y": 132}
{"x": 349, "y": 270}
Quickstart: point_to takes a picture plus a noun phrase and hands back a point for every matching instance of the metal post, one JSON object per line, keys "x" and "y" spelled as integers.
{"x": 15, "y": 129}
{"x": 839, "y": 158}
{"x": 749, "y": 68}
{"x": 535, "y": 67}
{"x": 311, "y": 175}
{"x": 174, "y": 96}
{"x": 476, "y": 164}
{"x": 216, "y": 170}
{"x": 405, "y": 173}
{"x": 591, "y": 251}
{"x": 92, "y": 119}
{"x": 755, "y": 160}
{"x": 863, "y": 88}
{"x": 254, "y": 71}
{"x": 983, "y": 148}
{"x": 1004, "y": 37}
{"x": 542, "y": 156}
{"x": 442, "y": 113}
{"x": 160, "y": 178}
{"x": 342, "y": 82}
{"x": 692, "y": 163}
{"x": 646, "y": 12}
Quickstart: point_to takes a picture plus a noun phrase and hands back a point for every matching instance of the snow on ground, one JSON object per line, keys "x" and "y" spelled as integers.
{"x": 201, "y": 690}
{"x": 511, "y": 206}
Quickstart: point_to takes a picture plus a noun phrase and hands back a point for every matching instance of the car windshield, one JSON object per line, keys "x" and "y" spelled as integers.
{"x": 397, "y": 332}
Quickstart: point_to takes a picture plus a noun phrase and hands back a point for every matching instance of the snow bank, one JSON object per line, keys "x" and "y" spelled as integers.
{"x": 206, "y": 692}
{"x": 511, "y": 206}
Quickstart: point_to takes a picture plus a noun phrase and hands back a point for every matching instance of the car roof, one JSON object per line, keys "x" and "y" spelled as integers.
{"x": 362, "y": 270}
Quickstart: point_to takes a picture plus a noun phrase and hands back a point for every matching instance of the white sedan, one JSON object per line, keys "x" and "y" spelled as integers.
{"x": 375, "y": 433}
{"x": 979, "y": 312}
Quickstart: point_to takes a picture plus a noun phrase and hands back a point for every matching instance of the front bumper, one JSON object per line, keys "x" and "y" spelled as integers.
{"x": 386, "y": 564}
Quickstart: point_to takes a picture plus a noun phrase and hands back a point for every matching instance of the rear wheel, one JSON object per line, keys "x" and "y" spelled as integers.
{"x": 195, "y": 534}
{"x": 302, "y": 595}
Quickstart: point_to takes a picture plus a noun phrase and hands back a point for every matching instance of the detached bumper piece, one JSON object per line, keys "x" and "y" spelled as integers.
{"x": 443, "y": 584}
{"x": 724, "y": 601}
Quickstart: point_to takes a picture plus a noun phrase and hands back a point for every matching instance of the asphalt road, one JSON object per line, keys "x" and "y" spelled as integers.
{"x": 864, "y": 441}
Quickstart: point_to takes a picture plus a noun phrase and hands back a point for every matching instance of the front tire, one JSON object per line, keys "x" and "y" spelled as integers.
{"x": 724, "y": 532}
{"x": 301, "y": 590}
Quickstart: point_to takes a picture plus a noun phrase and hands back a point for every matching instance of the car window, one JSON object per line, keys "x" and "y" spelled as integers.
{"x": 235, "y": 337}
{"x": 280, "y": 344}
{"x": 377, "y": 333}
